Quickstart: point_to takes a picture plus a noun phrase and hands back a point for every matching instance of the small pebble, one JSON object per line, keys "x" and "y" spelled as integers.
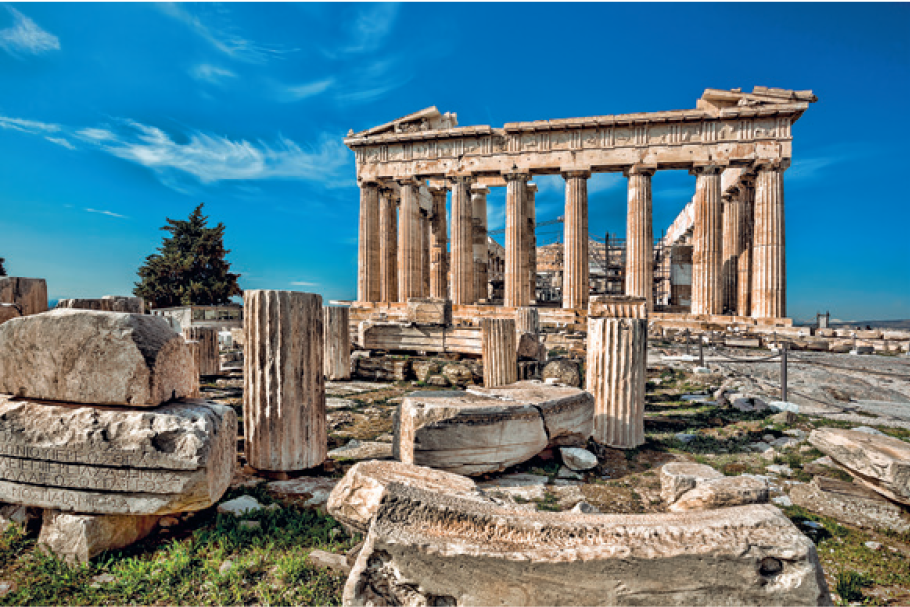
{"x": 6, "y": 588}
{"x": 812, "y": 525}
{"x": 783, "y": 501}
{"x": 873, "y": 545}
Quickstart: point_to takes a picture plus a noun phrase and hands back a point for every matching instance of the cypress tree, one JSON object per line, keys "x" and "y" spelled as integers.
{"x": 2, "y": 267}
{"x": 190, "y": 267}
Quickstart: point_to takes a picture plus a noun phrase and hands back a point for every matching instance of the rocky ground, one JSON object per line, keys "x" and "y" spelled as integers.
{"x": 272, "y": 554}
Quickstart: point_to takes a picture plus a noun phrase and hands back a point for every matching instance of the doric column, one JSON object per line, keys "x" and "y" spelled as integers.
{"x": 732, "y": 223}
{"x": 707, "y": 288}
{"x": 575, "y": 264}
{"x": 516, "y": 277}
{"x": 388, "y": 245}
{"x": 409, "y": 240}
{"x": 209, "y": 356}
{"x": 284, "y": 423}
{"x": 368, "y": 249}
{"x": 744, "y": 263}
{"x": 531, "y": 240}
{"x": 500, "y": 356}
{"x": 424, "y": 252}
{"x": 337, "y": 332}
{"x": 439, "y": 269}
{"x": 640, "y": 236}
{"x": 769, "y": 268}
{"x": 481, "y": 254}
{"x": 462, "y": 242}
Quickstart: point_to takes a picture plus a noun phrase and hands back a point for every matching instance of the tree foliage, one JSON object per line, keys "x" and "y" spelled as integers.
{"x": 2, "y": 267}
{"x": 190, "y": 267}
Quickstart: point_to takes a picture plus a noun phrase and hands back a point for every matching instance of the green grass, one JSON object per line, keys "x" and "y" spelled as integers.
{"x": 269, "y": 564}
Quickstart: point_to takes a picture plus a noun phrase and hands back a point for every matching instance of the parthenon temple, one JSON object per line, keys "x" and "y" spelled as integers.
{"x": 736, "y": 144}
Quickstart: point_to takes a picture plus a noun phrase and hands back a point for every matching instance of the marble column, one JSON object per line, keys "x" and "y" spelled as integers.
{"x": 368, "y": 249}
{"x": 575, "y": 276}
{"x": 769, "y": 269}
{"x": 439, "y": 267}
{"x": 462, "y": 242}
{"x": 209, "y": 355}
{"x": 707, "y": 287}
{"x": 424, "y": 253}
{"x": 640, "y": 236}
{"x": 284, "y": 422}
{"x": 337, "y": 338}
{"x": 409, "y": 240}
{"x": 744, "y": 262}
{"x": 388, "y": 245}
{"x": 500, "y": 356}
{"x": 516, "y": 278}
{"x": 531, "y": 240}
{"x": 481, "y": 252}
{"x": 732, "y": 241}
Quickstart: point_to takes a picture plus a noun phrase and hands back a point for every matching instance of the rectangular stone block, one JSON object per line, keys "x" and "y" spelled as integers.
{"x": 175, "y": 458}
{"x": 617, "y": 306}
{"x": 28, "y": 294}
{"x": 429, "y": 311}
{"x": 95, "y": 358}
{"x": 76, "y": 538}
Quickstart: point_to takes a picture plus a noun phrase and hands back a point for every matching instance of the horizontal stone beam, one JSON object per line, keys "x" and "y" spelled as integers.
{"x": 394, "y": 336}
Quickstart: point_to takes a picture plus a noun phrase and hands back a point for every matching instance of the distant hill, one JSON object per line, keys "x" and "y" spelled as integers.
{"x": 875, "y": 324}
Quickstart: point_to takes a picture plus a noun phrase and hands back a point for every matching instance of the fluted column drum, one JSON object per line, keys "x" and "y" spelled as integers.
{"x": 439, "y": 267}
{"x": 527, "y": 320}
{"x": 368, "y": 244}
{"x": 516, "y": 288}
{"x": 640, "y": 236}
{"x": 616, "y": 363}
{"x": 575, "y": 264}
{"x": 284, "y": 388}
{"x": 744, "y": 263}
{"x": 462, "y": 242}
{"x": 481, "y": 254}
{"x": 732, "y": 241}
{"x": 500, "y": 353}
{"x": 769, "y": 271}
{"x": 530, "y": 239}
{"x": 388, "y": 246}
{"x": 209, "y": 357}
{"x": 707, "y": 288}
{"x": 409, "y": 242}
{"x": 337, "y": 339}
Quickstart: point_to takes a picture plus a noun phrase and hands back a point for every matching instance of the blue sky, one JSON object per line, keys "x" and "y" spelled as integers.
{"x": 115, "y": 116}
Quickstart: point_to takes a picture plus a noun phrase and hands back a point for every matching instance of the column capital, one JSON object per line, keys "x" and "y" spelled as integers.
{"x": 532, "y": 187}
{"x": 706, "y": 169}
{"x": 775, "y": 164}
{"x": 479, "y": 188}
{"x": 408, "y": 181}
{"x": 460, "y": 179}
{"x": 368, "y": 183}
{"x": 516, "y": 175}
{"x": 438, "y": 190}
{"x": 640, "y": 169}
{"x": 584, "y": 174}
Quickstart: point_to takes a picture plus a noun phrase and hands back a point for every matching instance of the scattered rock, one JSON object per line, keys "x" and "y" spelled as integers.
{"x": 563, "y": 371}
{"x": 777, "y": 405}
{"x": 879, "y": 462}
{"x": 315, "y": 490}
{"x": 585, "y": 508}
{"x": 425, "y": 368}
{"x": 850, "y": 503}
{"x": 327, "y": 560}
{"x": 784, "y": 417}
{"x": 760, "y": 447}
{"x": 568, "y": 473}
{"x": 722, "y": 492}
{"x": 785, "y": 443}
{"x": 6, "y": 588}
{"x": 578, "y": 459}
{"x": 685, "y": 438}
{"x": 780, "y": 469}
{"x": 868, "y": 430}
{"x": 356, "y": 498}
{"x": 783, "y": 501}
{"x": 458, "y": 374}
{"x": 240, "y": 506}
{"x": 357, "y": 450}
{"x": 104, "y": 578}
{"x": 13, "y": 514}
{"x": 76, "y": 538}
{"x": 702, "y": 370}
{"x": 676, "y": 478}
{"x": 872, "y": 545}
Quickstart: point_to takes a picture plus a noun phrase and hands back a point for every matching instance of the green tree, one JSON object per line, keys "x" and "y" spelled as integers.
{"x": 190, "y": 266}
{"x": 2, "y": 267}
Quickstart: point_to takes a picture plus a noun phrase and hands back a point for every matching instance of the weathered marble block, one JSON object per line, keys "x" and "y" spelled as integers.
{"x": 428, "y": 548}
{"x": 880, "y": 462}
{"x": 28, "y": 294}
{"x": 98, "y": 305}
{"x": 209, "y": 356}
{"x": 122, "y": 303}
{"x": 174, "y": 458}
{"x": 97, "y": 358}
{"x": 486, "y": 430}
{"x": 76, "y": 538}
{"x": 850, "y": 503}
{"x": 355, "y": 499}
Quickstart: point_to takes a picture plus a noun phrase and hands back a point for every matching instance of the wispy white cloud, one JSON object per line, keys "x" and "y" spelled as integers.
{"x": 301, "y": 283}
{"x": 108, "y": 213}
{"x": 373, "y": 80}
{"x": 222, "y": 38}
{"x": 25, "y": 37}
{"x": 28, "y": 126}
{"x": 61, "y": 141}
{"x": 211, "y": 73}
{"x": 372, "y": 26}
{"x": 96, "y": 134}
{"x": 298, "y": 92}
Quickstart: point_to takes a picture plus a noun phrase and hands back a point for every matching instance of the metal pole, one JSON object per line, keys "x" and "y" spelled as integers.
{"x": 783, "y": 371}
{"x": 701, "y": 352}
{"x": 687, "y": 342}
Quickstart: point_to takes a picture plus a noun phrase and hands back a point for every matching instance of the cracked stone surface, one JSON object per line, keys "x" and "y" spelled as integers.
{"x": 488, "y": 430}
{"x": 174, "y": 458}
{"x": 750, "y": 555}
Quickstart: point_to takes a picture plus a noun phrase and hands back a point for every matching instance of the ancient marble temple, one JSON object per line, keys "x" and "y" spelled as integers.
{"x": 737, "y": 145}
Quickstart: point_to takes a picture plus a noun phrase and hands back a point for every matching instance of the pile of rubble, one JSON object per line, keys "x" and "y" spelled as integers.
{"x": 97, "y": 430}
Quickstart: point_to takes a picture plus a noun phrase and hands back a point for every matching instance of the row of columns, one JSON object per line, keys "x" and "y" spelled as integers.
{"x": 738, "y": 253}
